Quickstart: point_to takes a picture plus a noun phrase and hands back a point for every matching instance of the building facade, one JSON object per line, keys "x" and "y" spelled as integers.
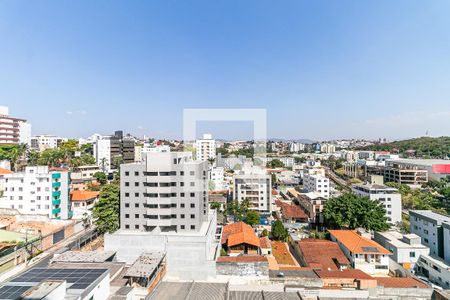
{"x": 109, "y": 151}
{"x": 13, "y": 131}
{"x": 39, "y": 190}
{"x": 43, "y": 142}
{"x": 389, "y": 198}
{"x": 205, "y": 148}
{"x": 317, "y": 184}
{"x": 216, "y": 178}
{"x": 255, "y": 187}
{"x": 167, "y": 192}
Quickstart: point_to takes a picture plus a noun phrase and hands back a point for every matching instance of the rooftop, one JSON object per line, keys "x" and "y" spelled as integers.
{"x": 395, "y": 238}
{"x": 358, "y": 244}
{"x": 422, "y": 162}
{"x": 400, "y": 282}
{"x": 88, "y": 256}
{"x": 432, "y": 216}
{"x": 347, "y": 273}
{"x": 145, "y": 264}
{"x": 239, "y": 233}
{"x": 265, "y": 242}
{"x": 322, "y": 254}
{"x": 83, "y": 195}
{"x": 291, "y": 211}
{"x": 241, "y": 259}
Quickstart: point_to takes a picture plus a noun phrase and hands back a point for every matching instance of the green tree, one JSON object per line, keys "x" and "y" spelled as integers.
{"x": 278, "y": 231}
{"x": 351, "y": 211}
{"x": 275, "y": 163}
{"x": 101, "y": 177}
{"x": 265, "y": 232}
{"x": 215, "y": 205}
{"x": 106, "y": 211}
{"x": 252, "y": 218}
{"x": 117, "y": 161}
{"x": 33, "y": 157}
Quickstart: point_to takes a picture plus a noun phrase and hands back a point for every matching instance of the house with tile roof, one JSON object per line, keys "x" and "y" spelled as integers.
{"x": 349, "y": 278}
{"x": 321, "y": 255}
{"x": 240, "y": 238}
{"x": 291, "y": 213}
{"x": 265, "y": 245}
{"x": 363, "y": 253}
{"x": 83, "y": 202}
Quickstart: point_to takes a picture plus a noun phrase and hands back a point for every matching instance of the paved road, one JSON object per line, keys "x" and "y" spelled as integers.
{"x": 338, "y": 180}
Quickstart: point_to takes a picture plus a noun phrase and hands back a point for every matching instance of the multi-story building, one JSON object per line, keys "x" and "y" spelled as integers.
{"x": 206, "y": 148}
{"x": 327, "y": 148}
{"x": 389, "y": 197}
{"x": 436, "y": 168}
{"x": 394, "y": 171}
{"x": 312, "y": 204}
{"x": 166, "y": 192}
{"x": 12, "y": 130}
{"x": 406, "y": 248}
{"x": 39, "y": 190}
{"x": 432, "y": 228}
{"x": 216, "y": 176}
{"x": 84, "y": 173}
{"x": 254, "y": 184}
{"x": 42, "y": 142}
{"x": 435, "y": 270}
{"x": 112, "y": 150}
{"x": 296, "y": 147}
{"x": 363, "y": 253}
{"x": 318, "y": 184}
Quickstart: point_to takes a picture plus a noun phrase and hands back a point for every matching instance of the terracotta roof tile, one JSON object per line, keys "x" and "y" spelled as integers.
{"x": 5, "y": 171}
{"x": 83, "y": 195}
{"x": 358, "y": 244}
{"x": 291, "y": 211}
{"x": 56, "y": 169}
{"x": 322, "y": 254}
{"x": 347, "y": 273}
{"x": 265, "y": 242}
{"x": 239, "y": 233}
{"x": 242, "y": 258}
{"x": 400, "y": 282}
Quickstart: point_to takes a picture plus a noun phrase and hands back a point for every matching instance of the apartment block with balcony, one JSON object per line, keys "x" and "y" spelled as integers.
{"x": 167, "y": 192}
{"x": 39, "y": 190}
{"x": 13, "y": 131}
{"x": 318, "y": 184}
{"x": 205, "y": 148}
{"x": 255, "y": 187}
{"x": 111, "y": 150}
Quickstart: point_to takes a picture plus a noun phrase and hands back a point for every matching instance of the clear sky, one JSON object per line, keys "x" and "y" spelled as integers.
{"x": 322, "y": 69}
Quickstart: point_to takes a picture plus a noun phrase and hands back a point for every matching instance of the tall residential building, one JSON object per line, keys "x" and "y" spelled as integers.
{"x": 167, "y": 192}
{"x": 255, "y": 185}
{"x": 111, "y": 150}
{"x": 42, "y": 142}
{"x": 216, "y": 177}
{"x": 434, "y": 230}
{"x": 39, "y": 190}
{"x": 318, "y": 184}
{"x": 12, "y": 130}
{"x": 327, "y": 148}
{"x": 389, "y": 197}
{"x": 206, "y": 148}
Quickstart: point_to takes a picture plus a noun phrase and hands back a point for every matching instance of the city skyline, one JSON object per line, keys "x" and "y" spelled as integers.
{"x": 322, "y": 70}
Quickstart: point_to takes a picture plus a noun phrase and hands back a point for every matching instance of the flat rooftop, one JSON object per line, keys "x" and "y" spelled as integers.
{"x": 145, "y": 264}
{"x": 421, "y": 162}
{"x": 394, "y": 238}
{"x": 88, "y": 256}
{"x": 431, "y": 215}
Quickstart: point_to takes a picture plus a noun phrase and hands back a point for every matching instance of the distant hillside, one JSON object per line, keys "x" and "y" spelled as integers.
{"x": 425, "y": 147}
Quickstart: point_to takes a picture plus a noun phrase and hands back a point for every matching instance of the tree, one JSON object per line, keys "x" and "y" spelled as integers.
{"x": 106, "y": 211}
{"x": 117, "y": 161}
{"x": 275, "y": 163}
{"x": 351, "y": 211}
{"x": 101, "y": 177}
{"x": 278, "y": 231}
{"x": 252, "y": 218}
{"x": 215, "y": 205}
{"x": 33, "y": 157}
{"x": 265, "y": 232}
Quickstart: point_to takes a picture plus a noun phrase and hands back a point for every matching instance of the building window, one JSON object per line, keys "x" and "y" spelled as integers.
{"x": 127, "y": 226}
{"x": 127, "y": 216}
{"x": 192, "y": 205}
{"x": 136, "y": 184}
{"x": 193, "y": 227}
{"x": 182, "y": 226}
{"x": 181, "y": 173}
{"x": 192, "y": 183}
{"x": 127, "y": 204}
{"x": 127, "y": 173}
{"x": 127, "y": 184}
{"x": 182, "y": 216}
{"x": 136, "y": 194}
{"x": 412, "y": 254}
{"x": 127, "y": 194}
{"x": 192, "y": 194}
{"x": 182, "y": 205}
{"x": 181, "y": 194}
{"x": 192, "y": 173}
{"x": 136, "y": 205}
{"x": 136, "y": 216}
{"x": 192, "y": 216}
{"x": 136, "y": 226}
{"x": 136, "y": 173}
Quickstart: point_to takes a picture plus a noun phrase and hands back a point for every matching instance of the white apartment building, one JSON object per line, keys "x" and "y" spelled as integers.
{"x": 254, "y": 184}
{"x": 206, "y": 148}
{"x": 296, "y": 147}
{"x": 318, "y": 184}
{"x": 42, "y": 142}
{"x": 13, "y": 130}
{"x": 327, "y": 148}
{"x": 216, "y": 176}
{"x": 39, "y": 190}
{"x": 430, "y": 227}
{"x": 167, "y": 192}
{"x": 363, "y": 253}
{"x": 389, "y": 197}
{"x": 434, "y": 269}
{"x": 102, "y": 153}
{"x": 84, "y": 173}
{"x": 406, "y": 248}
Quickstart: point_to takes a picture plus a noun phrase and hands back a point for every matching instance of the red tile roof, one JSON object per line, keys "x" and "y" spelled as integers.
{"x": 249, "y": 258}
{"x": 347, "y": 273}
{"x": 239, "y": 233}
{"x": 322, "y": 254}
{"x": 265, "y": 242}
{"x": 83, "y": 195}
{"x": 398, "y": 282}
{"x": 56, "y": 169}
{"x": 358, "y": 244}
{"x": 291, "y": 211}
{"x": 5, "y": 171}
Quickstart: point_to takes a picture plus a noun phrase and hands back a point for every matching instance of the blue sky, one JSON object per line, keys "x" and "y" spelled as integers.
{"x": 322, "y": 69}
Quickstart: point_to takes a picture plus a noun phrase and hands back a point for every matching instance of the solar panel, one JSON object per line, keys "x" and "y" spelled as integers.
{"x": 13, "y": 292}
{"x": 370, "y": 249}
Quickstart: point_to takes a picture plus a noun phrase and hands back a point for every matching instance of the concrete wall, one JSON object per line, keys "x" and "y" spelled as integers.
{"x": 243, "y": 269}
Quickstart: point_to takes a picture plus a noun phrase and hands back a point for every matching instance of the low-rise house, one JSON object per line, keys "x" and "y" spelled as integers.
{"x": 312, "y": 204}
{"x": 240, "y": 238}
{"x": 265, "y": 245}
{"x": 406, "y": 248}
{"x": 363, "y": 253}
{"x": 349, "y": 278}
{"x": 321, "y": 255}
{"x": 84, "y": 173}
{"x": 83, "y": 202}
{"x": 291, "y": 213}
